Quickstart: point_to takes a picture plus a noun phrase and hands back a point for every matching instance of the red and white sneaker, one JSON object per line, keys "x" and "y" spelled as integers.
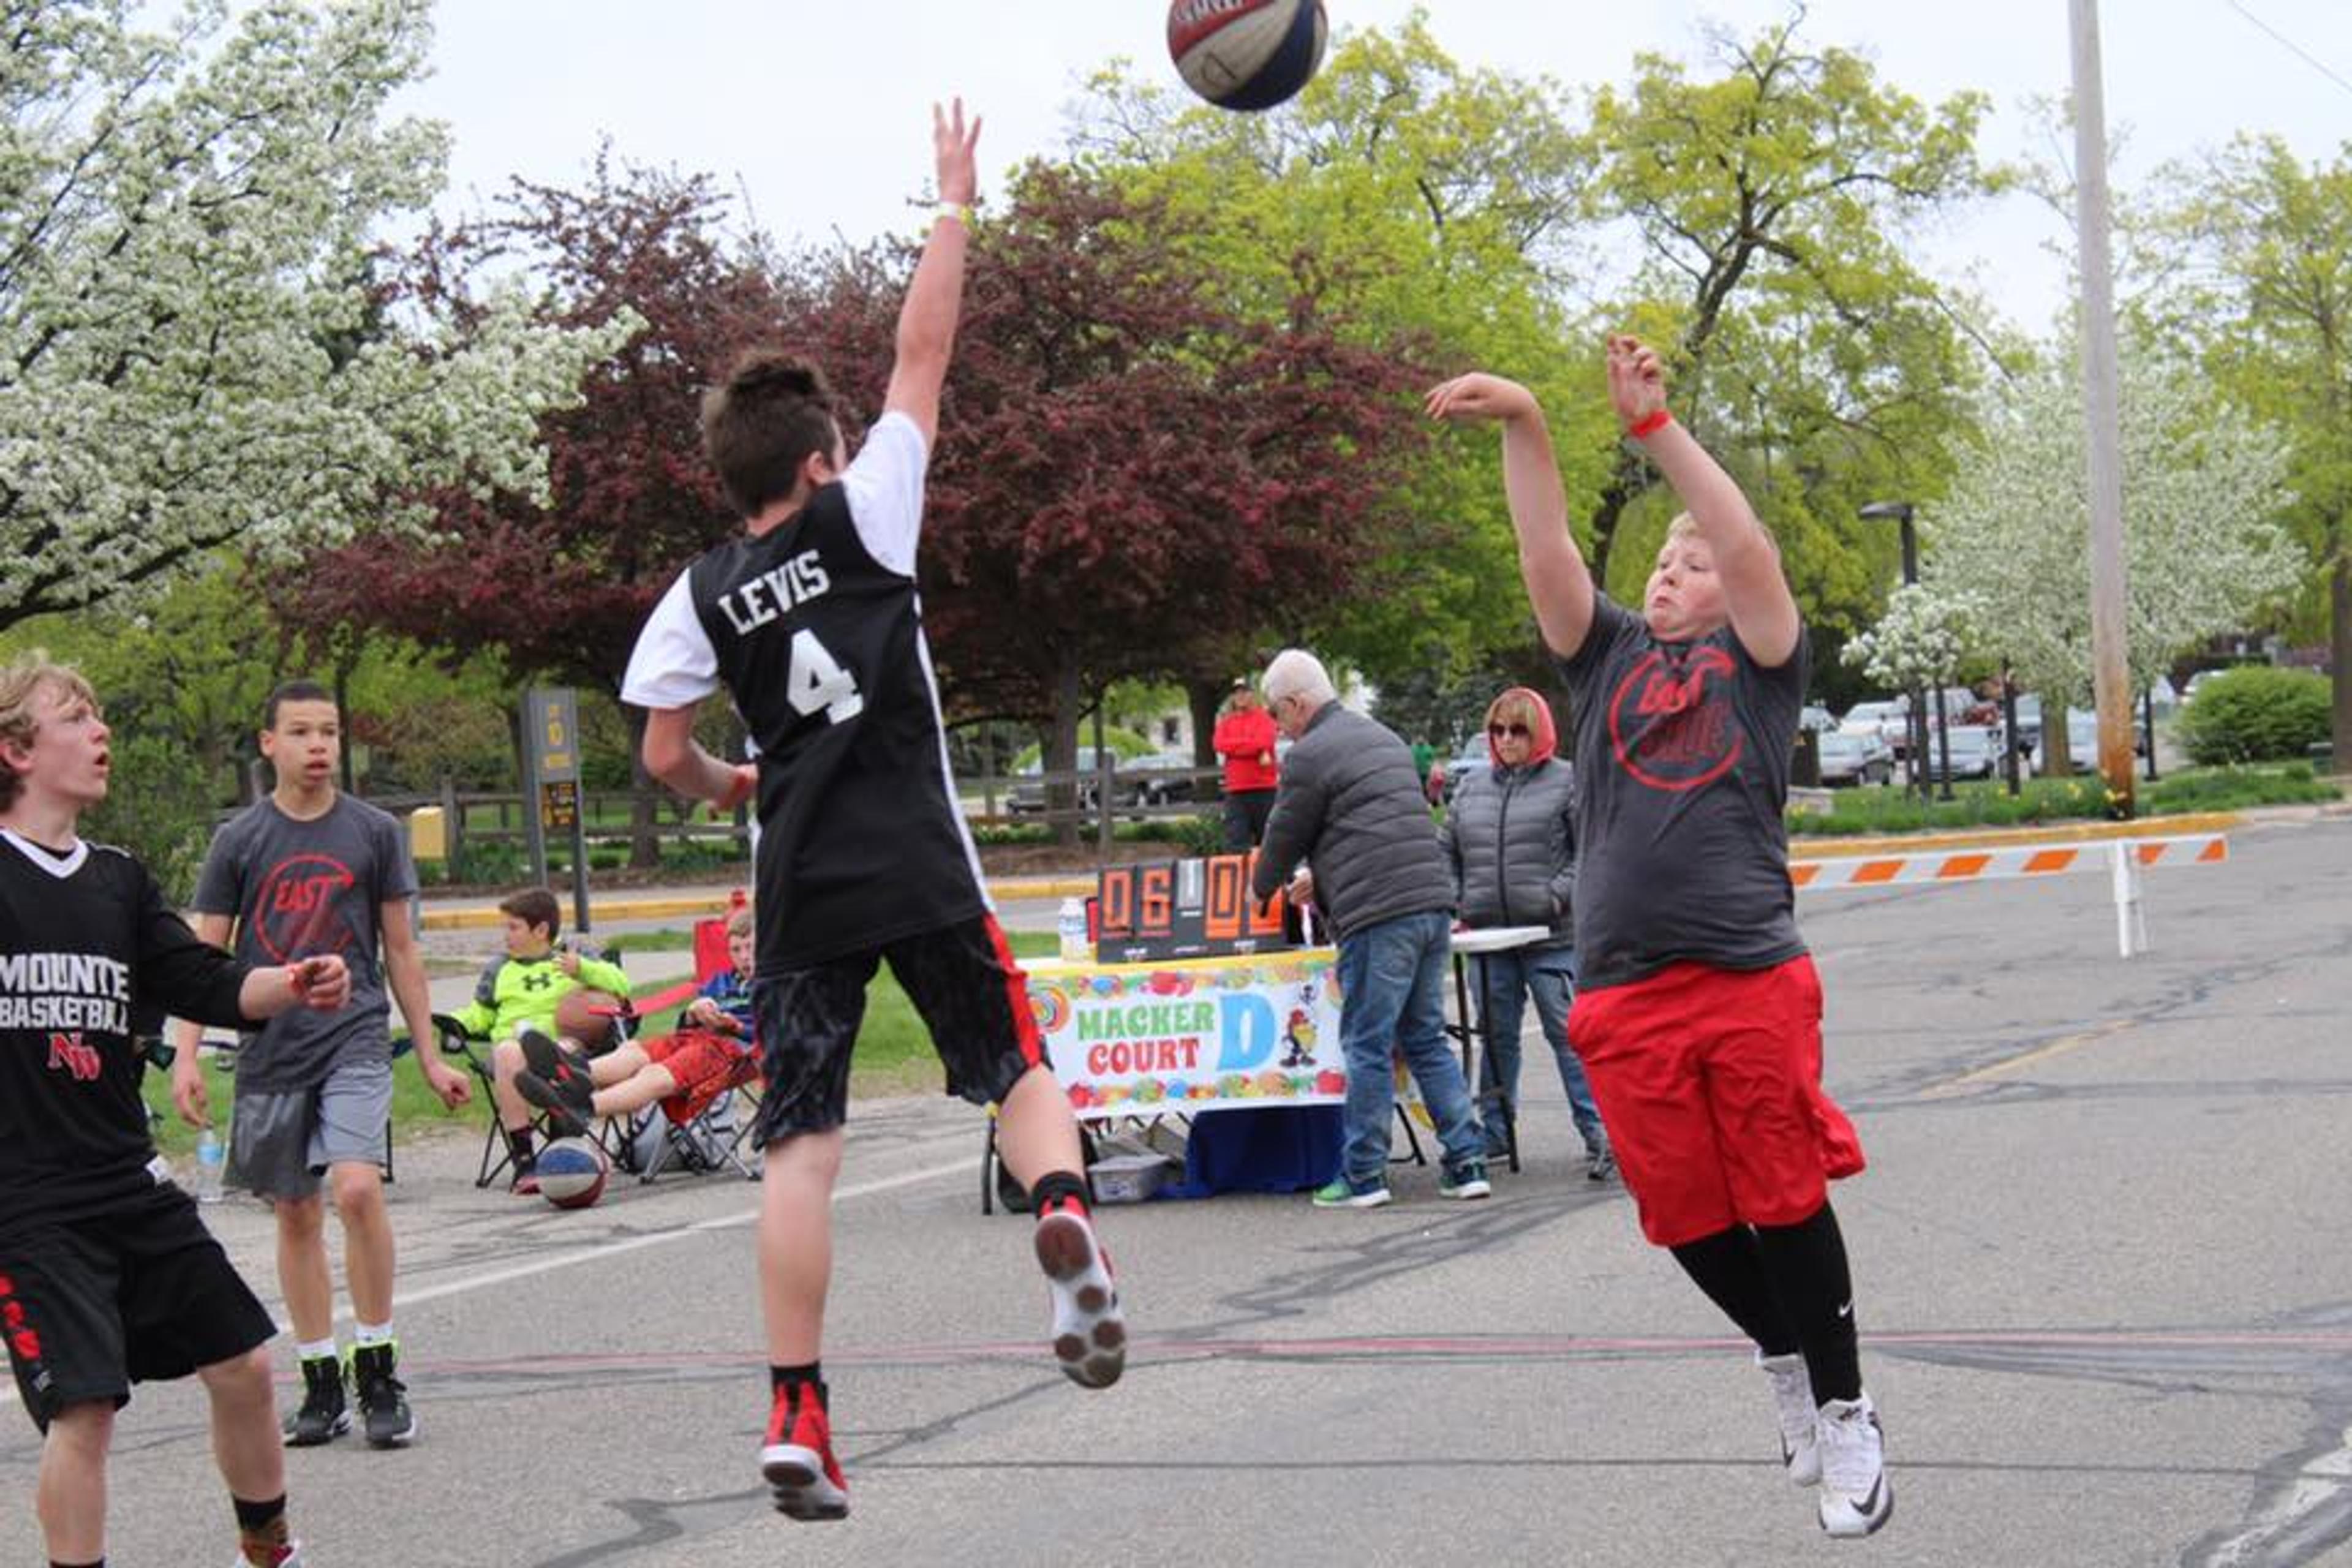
{"x": 798, "y": 1460}
{"x": 1089, "y": 1330}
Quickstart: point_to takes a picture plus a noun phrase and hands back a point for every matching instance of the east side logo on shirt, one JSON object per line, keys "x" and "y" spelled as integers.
{"x": 294, "y": 912}
{"x": 66, "y": 993}
{"x": 755, "y": 602}
{"x": 1671, "y": 721}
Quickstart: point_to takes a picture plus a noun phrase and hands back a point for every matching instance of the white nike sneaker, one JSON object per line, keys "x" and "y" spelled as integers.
{"x": 1856, "y": 1496}
{"x": 1792, "y": 1401}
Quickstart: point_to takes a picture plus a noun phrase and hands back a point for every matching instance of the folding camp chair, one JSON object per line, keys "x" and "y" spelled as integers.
{"x": 712, "y": 1139}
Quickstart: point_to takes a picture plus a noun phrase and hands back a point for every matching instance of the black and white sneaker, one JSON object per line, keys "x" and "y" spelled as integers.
{"x": 323, "y": 1414}
{"x": 557, "y": 1081}
{"x": 388, "y": 1423}
{"x": 1792, "y": 1402}
{"x": 1856, "y": 1496}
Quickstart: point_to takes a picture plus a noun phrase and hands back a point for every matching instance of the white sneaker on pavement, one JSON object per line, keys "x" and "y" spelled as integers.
{"x": 1792, "y": 1401}
{"x": 1856, "y": 1496}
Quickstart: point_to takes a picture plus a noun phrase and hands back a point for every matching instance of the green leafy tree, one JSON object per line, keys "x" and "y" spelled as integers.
{"x": 191, "y": 351}
{"x": 1770, "y": 203}
{"x": 2256, "y": 254}
{"x": 1420, "y": 202}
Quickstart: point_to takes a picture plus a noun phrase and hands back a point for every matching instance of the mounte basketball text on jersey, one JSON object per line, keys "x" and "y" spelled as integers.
{"x": 64, "y": 991}
{"x": 753, "y": 604}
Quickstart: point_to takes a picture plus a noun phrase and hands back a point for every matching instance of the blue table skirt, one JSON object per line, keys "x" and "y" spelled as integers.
{"x": 1276, "y": 1149}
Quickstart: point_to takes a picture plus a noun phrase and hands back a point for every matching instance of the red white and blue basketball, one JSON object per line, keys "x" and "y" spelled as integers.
{"x": 1246, "y": 54}
{"x": 572, "y": 1173}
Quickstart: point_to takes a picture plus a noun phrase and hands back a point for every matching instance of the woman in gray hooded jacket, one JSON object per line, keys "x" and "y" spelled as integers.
{"x": 1512, "y": 849}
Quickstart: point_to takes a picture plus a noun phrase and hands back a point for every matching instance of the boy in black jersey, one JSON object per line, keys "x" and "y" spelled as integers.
{"x": 811, "y": 623}
{"x": 106, "y": 1275}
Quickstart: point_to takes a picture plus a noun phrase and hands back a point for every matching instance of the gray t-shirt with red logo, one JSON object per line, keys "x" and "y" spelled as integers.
{"x": 298, "y": 890}
{"x": 1682, "y": 754}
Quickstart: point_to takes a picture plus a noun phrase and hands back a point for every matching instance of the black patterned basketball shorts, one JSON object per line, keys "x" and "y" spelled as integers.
{"x": 965, "y": 985}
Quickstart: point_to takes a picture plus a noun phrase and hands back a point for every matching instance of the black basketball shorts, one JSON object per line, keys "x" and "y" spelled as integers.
{"x": 964, "y": 984}
{"x": 137, "y": 1293}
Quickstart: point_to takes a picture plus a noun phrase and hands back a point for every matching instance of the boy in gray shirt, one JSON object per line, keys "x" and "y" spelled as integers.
{"x": 307, "y": 870}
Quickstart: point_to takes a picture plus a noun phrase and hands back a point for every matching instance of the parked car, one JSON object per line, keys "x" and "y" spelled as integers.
{"x": 1816, "y": 718}
{"x": 1472, "y": 756}
{"x": 1974, "y": 751}
{"x": 1028, "y": 792}
{"x": 1886, "y": 721}
{"x": 1854, "y": 759}
{"x": 1164, "y": 777}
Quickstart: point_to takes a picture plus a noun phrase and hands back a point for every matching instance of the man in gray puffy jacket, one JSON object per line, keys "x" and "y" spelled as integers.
{"x": 1349, "y": 805}
{"x": 1512, "y": 849}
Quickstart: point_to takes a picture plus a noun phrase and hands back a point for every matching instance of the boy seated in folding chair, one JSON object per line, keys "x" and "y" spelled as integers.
{"x": 710, "y": 1054}
{"x": 519, "y": 992}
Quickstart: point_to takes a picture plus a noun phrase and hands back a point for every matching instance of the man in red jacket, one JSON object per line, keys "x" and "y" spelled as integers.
{"x": 1244, "y": 739}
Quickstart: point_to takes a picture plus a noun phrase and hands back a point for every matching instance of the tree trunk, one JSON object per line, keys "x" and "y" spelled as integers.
{"x": 2339, "y": 647}
{"x": 1205, "y": 698}
{"x": 645, "y": 795}
{"x": 1061, "y": 753}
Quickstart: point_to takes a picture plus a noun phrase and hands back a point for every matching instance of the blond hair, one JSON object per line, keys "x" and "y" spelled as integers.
{"x": 739, "y": 923}
{"x": 21, "y": 680}
{"x": 1514, "y": 707}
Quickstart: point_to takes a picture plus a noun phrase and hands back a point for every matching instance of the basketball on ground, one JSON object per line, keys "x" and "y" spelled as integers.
{"x": 1246, "y": 54}
{"x": 572, "y": 1173}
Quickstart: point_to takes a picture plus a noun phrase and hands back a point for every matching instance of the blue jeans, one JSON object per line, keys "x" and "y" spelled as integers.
{"x": 1392, "y": 979}
{"x": 1506, "y": 981}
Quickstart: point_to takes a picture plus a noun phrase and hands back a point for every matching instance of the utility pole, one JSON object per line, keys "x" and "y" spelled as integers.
{"x": 2110, "y": 684}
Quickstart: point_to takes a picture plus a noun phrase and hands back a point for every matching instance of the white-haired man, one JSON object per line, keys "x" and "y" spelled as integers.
{"x": 1349, "y": 805}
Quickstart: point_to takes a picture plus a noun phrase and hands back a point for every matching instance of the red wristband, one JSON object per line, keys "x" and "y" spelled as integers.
{"x": 1650, "y": 423}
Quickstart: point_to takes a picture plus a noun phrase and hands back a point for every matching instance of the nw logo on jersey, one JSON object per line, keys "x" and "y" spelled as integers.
{"x": 753, "y": 603}
{"x": 72, "y": 1054}
{"x": 1671, "y": 721}
{"x": 295, "y": 913}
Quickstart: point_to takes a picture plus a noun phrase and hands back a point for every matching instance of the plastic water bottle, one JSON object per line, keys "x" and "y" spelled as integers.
{"x": 210, "y": 1157}
{"x": 1072, "y": 926}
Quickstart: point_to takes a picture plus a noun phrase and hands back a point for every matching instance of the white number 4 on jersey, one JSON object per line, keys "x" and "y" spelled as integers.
{"x": 818, "y": 684}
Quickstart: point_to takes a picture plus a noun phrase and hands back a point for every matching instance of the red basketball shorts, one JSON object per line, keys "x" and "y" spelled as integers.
{"x": 1710, "y": 1083}
{"x": 705, "y": 1064}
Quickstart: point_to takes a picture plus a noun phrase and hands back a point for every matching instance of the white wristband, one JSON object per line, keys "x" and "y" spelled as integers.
{"x": 959, "y": 211}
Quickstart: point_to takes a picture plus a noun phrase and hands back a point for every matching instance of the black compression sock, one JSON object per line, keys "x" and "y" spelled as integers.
{"x": 1807, "y": 1265}
{"x": 806, "y": 1372}
{"x": 1730, "y": 1268}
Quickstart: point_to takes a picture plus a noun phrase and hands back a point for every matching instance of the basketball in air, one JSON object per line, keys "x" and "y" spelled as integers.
{"x": 1246, "y": 54}
{"x": 572, "y": 1173}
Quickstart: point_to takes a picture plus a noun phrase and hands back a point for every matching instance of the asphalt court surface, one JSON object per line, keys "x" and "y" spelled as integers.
{"x": 2101, "y": 1257}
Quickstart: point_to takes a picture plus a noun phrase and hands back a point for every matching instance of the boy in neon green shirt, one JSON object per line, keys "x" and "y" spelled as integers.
{"x": 519, "y": 991}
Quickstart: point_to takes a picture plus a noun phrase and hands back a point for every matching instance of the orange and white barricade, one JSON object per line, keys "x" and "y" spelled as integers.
{"x": 2124, "y": 858}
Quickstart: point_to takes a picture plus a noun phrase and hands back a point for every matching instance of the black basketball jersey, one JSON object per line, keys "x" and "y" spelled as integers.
{"x": 88, "y": 954}
{"x": 820, "y": 646}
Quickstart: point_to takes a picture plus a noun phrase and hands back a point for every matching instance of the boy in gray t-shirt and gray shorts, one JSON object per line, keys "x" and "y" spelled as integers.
{"x": 307, "y": 870}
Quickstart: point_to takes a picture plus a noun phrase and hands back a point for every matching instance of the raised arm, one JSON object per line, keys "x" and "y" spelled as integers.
{"x": 926, "y": 322}
{"x": 1755, "y": 590}
{"x": 1559, "y": 587}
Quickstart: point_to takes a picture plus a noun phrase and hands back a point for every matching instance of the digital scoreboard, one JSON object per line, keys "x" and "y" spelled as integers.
{"x": 1182, "y": 909}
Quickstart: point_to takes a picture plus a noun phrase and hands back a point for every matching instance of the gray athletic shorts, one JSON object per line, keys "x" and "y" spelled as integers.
{"x": 282, "y": 1141}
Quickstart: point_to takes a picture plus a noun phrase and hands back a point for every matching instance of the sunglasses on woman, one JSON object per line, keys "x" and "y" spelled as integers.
{"x": 1518, "y": 732}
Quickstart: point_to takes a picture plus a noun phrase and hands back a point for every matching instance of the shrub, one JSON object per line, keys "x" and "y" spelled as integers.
{"x": 2255, "y": 714}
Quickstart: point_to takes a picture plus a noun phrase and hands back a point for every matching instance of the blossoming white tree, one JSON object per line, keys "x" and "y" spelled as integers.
{"x": 2006, "y": 552}
{"x": 191, "y": 353}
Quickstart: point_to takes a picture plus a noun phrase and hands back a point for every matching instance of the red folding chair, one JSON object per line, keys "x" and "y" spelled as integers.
{"x": 710, "y": 1140}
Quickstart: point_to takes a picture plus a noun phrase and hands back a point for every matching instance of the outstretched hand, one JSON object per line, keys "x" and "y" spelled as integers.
{"x": 1637, "y": 379}
{"x": 1478, "y": 396}
{"x": 321, "y": 983}
{"x": 953, "y": 145}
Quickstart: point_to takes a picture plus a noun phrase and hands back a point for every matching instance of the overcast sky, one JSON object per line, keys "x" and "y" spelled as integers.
{"x": 819, "y": 110}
